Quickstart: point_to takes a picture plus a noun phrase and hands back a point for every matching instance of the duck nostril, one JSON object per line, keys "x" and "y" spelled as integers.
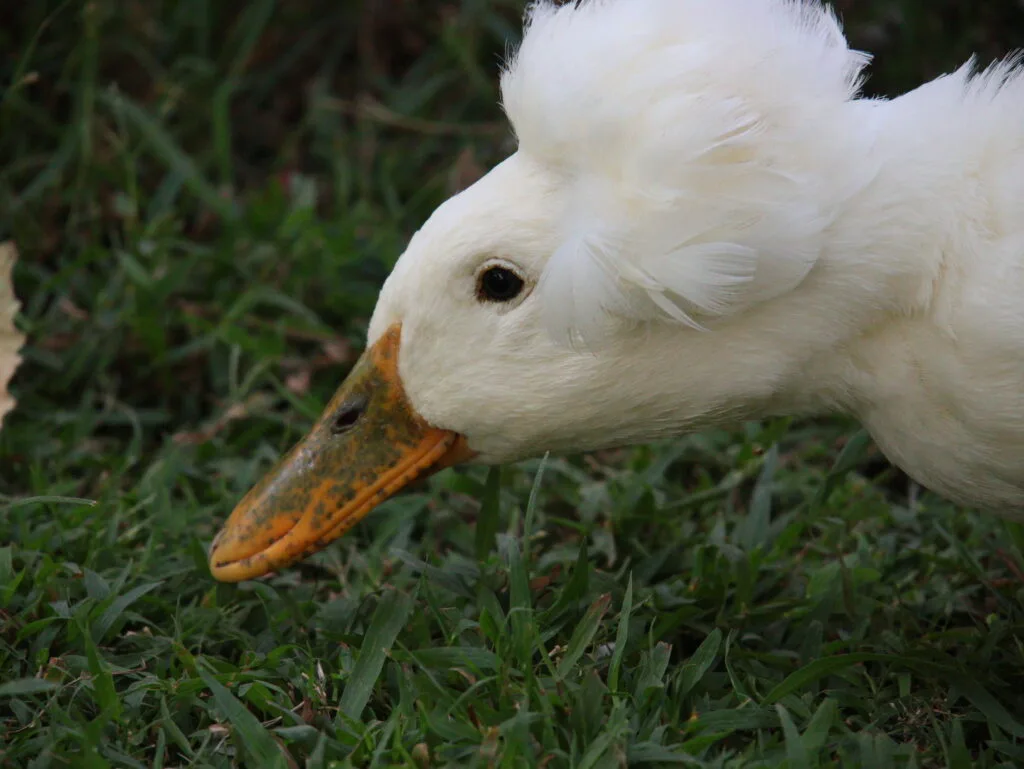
{"x": 348, "y": 415}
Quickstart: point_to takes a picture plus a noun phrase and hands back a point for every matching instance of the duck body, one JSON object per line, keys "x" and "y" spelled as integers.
{"x": 936, "y": 373}
{"x": 911, "y": 317}
{"x": 704, "y": 224}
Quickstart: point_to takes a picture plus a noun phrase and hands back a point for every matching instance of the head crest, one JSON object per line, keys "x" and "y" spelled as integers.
{"x": 688, "y": 134}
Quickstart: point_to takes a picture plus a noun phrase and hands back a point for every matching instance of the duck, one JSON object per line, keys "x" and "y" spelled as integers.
{"x": 10, "y": 339}
{"x": 703, "y": 221}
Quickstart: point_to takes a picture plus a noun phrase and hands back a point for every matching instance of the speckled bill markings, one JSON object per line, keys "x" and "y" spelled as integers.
{"x": 368, "y": 444}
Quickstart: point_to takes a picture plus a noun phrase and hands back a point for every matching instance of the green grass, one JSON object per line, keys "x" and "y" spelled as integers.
{"x": 207, "y": 202}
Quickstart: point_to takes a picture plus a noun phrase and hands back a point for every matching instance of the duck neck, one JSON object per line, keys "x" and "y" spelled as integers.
{"x": 855, "y": 324}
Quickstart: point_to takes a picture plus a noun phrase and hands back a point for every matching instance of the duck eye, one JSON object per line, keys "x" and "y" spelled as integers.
{"x": 499, "y": 284}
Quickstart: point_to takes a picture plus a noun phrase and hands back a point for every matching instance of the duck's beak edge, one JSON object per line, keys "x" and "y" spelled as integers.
{"x": 368, "y": 444}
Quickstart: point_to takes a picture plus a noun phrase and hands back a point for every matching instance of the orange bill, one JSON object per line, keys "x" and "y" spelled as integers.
{"x": 368, "y": 444}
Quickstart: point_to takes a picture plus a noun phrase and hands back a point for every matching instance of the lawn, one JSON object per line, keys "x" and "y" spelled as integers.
{"x": 207, "y": 197}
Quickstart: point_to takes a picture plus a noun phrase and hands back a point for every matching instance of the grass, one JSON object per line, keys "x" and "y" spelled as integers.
{"x": 207, "y": 197}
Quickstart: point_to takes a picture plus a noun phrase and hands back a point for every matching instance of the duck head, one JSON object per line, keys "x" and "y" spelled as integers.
{"x": 678, "y": 166}
{"x": 459, "y": 366}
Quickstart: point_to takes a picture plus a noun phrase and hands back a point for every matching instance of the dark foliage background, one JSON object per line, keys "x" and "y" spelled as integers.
{"x": 207, "y": 196}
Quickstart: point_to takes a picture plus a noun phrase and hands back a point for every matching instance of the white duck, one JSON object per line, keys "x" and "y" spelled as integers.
{"x": 702, "y": 224}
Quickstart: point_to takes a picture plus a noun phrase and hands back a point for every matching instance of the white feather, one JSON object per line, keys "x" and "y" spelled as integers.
{"x": 667, "y": 145}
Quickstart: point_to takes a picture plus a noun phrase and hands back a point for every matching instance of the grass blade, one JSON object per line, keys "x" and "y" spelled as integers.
{"x": 700, "y": 663}
{"x": 577, "y": 586}
{"x": 849, "y": 458}
{"x": 621, "y": 637}
{"x": 531, "y": 507}
{"x": 26, "y": 686}
{"x": 817, "y": 669}
{"x": 487, "y": 521}
{"x": 796, "y": 752}
{"x": 102, "y": 626}
{"x": 389, "y": 618}
{"x": 817, "y": 730}
{"x": 251, "y": 736}
{"x": 755, "y": 528}
{"x": 583, "y": 635}
{"x": 102, "y": 679}
{"x": 520, "y": 611}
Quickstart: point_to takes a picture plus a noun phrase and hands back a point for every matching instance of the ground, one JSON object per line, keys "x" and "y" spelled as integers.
{"x": 207, "y": 197}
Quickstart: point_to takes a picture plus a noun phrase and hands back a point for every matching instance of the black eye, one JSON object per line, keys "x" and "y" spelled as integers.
{"x": 499, "y": 284}
{"x": 349, "y": 414}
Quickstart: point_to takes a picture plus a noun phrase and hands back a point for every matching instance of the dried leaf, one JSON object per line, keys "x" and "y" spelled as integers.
{"x": 298, "y": 382}
{"x": 10, "y": 340}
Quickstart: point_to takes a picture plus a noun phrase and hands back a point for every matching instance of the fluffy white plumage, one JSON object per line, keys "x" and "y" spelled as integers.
{"x": 682, "y": 131}
{"x": 713, "y": 226}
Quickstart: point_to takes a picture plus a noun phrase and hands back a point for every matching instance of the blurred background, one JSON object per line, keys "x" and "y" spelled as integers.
{"x": 207, "y": 196}
{"x": 192, "y": 180}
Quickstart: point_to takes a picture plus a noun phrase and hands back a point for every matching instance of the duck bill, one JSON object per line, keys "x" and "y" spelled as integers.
{"x": 368, "y": 443}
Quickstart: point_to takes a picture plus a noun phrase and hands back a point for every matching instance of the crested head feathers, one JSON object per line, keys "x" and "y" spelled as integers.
{"x": 690, "y": 138}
